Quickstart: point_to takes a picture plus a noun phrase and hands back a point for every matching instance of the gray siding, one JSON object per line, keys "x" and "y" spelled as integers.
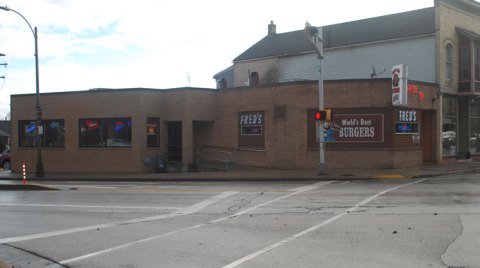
{"x": 356, "y": 62}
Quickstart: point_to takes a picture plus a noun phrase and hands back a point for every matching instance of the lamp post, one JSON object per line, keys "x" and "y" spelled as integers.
{"x": 4, "y": 64}
{"x": 314, "y": 35}
{"x": 40, "y": 172}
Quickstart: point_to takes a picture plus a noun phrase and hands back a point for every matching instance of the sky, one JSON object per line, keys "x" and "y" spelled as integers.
{"x": 85, "y": 44}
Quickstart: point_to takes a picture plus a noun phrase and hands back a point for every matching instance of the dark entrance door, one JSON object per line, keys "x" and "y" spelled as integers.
{"x": 426, "y": 136}
{"x": 174, "y": 141}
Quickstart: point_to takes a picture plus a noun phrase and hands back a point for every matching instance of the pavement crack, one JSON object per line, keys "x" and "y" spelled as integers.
{"x": 462, "y": 228}
{"x": 37, "y": 255}
{"x": 242, "y": 203}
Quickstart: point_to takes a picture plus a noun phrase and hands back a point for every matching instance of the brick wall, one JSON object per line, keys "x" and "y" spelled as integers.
{"x": 210, "y": 118}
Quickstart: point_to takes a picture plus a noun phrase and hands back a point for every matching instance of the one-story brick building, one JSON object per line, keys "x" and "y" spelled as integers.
{"x": 117, "y": 130}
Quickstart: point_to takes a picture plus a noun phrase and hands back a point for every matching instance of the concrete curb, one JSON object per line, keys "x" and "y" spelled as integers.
{"x": 245, "y": 177}
{"x": 4, "y": 265}
{"x": 26, "y": 187}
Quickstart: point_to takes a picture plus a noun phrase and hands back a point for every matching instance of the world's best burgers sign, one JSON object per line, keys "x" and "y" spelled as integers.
{"x": 358, "y": 128}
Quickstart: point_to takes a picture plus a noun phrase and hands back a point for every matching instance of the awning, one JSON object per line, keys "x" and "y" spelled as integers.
{"x": 467, "y": 33}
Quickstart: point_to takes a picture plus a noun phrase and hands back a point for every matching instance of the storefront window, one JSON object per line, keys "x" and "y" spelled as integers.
{"x": 477, "y": 62}
{"x": 251, "y": 130}
{"x": 26, "y": 133}
{"x": 105, "y": 132}
{"x": 449, "y": 128}
{"x": 474, "y": 136}
{"x": 153, "y": 132}
{"x": 53, "y": 133}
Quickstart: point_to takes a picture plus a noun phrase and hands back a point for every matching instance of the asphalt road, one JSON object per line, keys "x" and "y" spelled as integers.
{"x": 384, "y": 223}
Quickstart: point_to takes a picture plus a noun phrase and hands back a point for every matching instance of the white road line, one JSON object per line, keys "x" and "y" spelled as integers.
{"x": 82, "y": 186}
{"x": 85, "y": 206}
{"x": 313, "y": 228}
{"x": 108, "y": 250}
{"x": 181, "y": 212}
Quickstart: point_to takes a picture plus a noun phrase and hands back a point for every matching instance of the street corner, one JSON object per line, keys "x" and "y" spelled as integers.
{"x": 391, "y": 177}
{"x": 25, "y": 187}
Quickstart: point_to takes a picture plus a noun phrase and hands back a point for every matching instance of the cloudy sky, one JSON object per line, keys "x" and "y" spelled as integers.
{"x": 87, "y": 44}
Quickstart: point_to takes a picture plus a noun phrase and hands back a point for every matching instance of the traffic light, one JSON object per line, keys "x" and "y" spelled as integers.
{"x": 320, "y": 115}
{"x": 328, "y": 114}
{"x": 324, "y": 115}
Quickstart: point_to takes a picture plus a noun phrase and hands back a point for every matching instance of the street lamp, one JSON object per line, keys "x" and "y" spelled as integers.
{"x": 314, "y": 35}
{"x": 4, "y": 64}
{"x": 39, "y": 169}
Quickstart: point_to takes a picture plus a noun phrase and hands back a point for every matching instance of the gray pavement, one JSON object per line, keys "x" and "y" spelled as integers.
{"x": 364, "y": 223}
{"x": 259, "y": 174}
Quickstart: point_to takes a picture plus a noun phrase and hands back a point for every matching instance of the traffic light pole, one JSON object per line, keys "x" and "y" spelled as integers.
{"x": 315, "y": 36}
{"x": 322, "y": 168}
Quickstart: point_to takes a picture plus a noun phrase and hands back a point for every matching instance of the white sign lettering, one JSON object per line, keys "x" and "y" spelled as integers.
{"x": 251, "y": 119}
{"x": 357, "y": 132}
{"x": 407, "y": 116}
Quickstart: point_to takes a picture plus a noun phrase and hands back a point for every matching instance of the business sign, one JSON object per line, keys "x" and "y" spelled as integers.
{"x": 356, "y": 128}
{"x": 399, "y": 85}
{"x": 251, "y": 123}
{"x": 407, "y": 122}
{"x": 407, "y": 116}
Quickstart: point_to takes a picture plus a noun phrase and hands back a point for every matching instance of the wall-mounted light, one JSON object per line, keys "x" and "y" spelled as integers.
{"x": 437, "y": 96}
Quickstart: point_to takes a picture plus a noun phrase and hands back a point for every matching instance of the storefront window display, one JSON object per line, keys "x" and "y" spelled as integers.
{"x": 153, "y": 133}
{"x": 53, "y": 133}
{"x": 474, "y": 136}
{"x": 449, "y": 128}
{"x": 105, "y": 132}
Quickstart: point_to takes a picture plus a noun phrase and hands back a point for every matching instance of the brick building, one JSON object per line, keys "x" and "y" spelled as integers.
{"x": 261, "y": 113}
{"x": 440, "y": 45}
{"x": 265, "y": 126}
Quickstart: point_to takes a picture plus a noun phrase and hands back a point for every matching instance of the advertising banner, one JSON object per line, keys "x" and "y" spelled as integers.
{"x": 399, "y": 85}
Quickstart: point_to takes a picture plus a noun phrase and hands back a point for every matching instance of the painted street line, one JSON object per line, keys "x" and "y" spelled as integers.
{"x": 86, "y": 206}
{"x": 390, "y": 177}
{"x": 108, "y": 250}
{"x": 313, "y": 228}
{"x": 181, "y": 212}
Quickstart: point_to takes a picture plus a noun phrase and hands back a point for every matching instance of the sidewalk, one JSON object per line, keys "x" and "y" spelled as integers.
{"x": 261, "y": 174}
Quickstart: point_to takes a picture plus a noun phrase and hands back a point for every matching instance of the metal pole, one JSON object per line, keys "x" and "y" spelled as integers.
{"x": 315, "y": 36}
{"x": 322, "y": 169}
{"x": 39, "y": 134}
{"x": 40, "y": 172}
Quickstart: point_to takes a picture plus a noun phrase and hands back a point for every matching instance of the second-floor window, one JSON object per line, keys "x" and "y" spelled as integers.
{"x": 465, "y": 61}
{"x": 254, "y": 79}
{"x": 448, "y": 62}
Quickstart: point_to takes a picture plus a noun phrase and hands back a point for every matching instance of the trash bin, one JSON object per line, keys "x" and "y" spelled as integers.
{"x": 160, "y": 164}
